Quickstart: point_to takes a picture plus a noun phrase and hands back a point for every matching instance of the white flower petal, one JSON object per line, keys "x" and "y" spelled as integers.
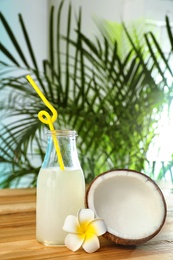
{"x": 71, "y": 224}
{"x": 91, "y": 244}
{"x": 74, "y": 241}
{"x": 85, "y": 216}
{"x": 97, "y": 226}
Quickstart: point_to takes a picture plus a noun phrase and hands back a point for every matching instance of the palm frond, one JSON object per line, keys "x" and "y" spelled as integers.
{"x": 106, "y": 96}
{"x": 14, "y": 40}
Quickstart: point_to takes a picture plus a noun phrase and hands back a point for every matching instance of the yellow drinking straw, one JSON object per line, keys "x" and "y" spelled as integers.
{"x": 47, "y": 119}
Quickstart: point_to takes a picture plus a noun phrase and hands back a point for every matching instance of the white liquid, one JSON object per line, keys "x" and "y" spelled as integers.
{"x": 59, "y": 194}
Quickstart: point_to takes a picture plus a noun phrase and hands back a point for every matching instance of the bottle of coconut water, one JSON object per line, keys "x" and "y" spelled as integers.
{"x": 59, "y": 192}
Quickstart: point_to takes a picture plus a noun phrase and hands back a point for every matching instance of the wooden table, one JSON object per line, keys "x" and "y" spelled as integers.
{"x": 17, "y": 234}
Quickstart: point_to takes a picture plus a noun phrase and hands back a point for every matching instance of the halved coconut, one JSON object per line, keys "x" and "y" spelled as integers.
{"x": 131, "y": 204}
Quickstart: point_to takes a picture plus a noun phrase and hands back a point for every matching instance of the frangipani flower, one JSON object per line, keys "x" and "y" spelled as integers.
{"x": 83, "y": 231}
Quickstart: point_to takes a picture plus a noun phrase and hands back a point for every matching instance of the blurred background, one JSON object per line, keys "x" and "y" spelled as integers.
{"x": 106, "y": 66}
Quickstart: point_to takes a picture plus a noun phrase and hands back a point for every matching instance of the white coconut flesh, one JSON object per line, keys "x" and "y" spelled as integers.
{"x": 130, "y": 203}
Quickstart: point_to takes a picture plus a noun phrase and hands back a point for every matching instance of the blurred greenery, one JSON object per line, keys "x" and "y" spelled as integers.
{"x": 109, "y": 97}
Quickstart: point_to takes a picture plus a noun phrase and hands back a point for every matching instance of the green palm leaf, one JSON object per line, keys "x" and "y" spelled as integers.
{"x": 13, "y": 40}
{"x": 106, "y": 96}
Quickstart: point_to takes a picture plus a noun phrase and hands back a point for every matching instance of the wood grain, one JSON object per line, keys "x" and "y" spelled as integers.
{"x": 17, "y": 234}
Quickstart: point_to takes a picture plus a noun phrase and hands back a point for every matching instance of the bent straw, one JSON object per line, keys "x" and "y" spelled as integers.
{"x": 47, "y": 119}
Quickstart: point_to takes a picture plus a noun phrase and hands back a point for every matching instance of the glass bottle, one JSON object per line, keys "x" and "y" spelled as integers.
{"x": 59, "y": 192}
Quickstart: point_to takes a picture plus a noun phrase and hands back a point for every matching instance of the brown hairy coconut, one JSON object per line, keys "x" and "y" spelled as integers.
{"x": 131, "y": 204}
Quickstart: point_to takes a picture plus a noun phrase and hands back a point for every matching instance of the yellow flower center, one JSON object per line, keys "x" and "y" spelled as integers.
{"x": 86, "y": 229}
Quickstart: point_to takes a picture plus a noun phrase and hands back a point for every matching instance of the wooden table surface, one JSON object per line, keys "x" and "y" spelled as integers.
{"x": 17, "y": 234}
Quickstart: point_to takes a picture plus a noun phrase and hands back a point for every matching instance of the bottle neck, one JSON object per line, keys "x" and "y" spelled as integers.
{"x": 67, "y": 145}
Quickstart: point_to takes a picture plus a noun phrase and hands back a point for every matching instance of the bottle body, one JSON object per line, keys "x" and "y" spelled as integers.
{"x": 59, "y": 193}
